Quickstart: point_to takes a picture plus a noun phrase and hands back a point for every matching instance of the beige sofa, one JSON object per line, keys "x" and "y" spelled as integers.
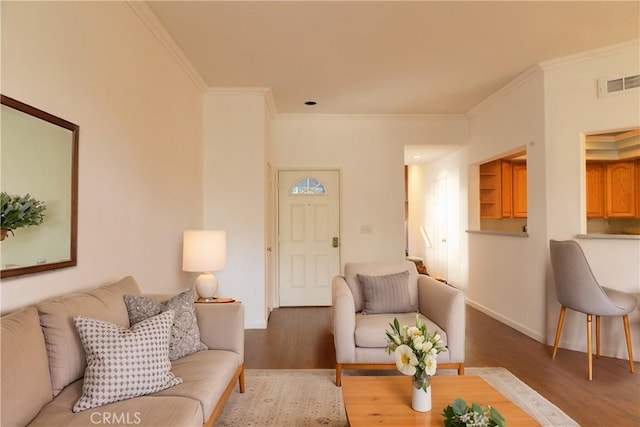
{"x": 43, "y": 362}
{"x": 360, "y": 339}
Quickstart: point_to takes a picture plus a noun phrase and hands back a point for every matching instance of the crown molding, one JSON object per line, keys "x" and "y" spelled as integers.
{"x": 521, "y": 79}
{"x": 157, "y": 29}
{"x": 423, "y": 117}
{"x": 630, "y": 45}
{"x": 265, "y": 92}
{"x": 633, "y": 45}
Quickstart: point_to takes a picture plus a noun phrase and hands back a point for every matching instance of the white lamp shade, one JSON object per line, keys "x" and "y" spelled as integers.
{"x": 204, "y": 250}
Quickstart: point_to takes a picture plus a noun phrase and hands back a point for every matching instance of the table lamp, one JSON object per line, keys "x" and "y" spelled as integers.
{"x": 205, "y": 251}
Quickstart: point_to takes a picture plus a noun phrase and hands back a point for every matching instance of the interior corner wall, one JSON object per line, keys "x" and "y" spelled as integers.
{"x": 369, "y": 151}
{"x": 235, "y": 197}
{"x": 97, "y": 65}
{"x": 573, "y": 108}
{"x": 507, "y": 274}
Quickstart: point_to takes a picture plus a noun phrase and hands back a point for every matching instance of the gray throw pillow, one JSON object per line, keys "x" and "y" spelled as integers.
{"x": 124, "y": 363}
{"x": 185, "y": 334}
{"x": 386, "y": 294}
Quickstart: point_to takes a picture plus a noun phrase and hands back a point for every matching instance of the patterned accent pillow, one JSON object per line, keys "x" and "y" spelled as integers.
{"x": 185, "y": 334}
{"x": 386, "y": 294}
{"x": 124, "y": 363}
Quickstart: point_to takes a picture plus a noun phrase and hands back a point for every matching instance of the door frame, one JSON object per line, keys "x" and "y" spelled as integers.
{"x": 276, "y": 219}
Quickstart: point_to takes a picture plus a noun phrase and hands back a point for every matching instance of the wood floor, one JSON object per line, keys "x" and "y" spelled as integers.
{"x": 300, "y": 338}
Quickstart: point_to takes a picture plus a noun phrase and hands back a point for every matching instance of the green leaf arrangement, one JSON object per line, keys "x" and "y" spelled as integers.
{"x": 20, "y": 211}
{"x": 462, "y": 415}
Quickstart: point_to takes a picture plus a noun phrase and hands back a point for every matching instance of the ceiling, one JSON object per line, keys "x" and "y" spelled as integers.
{"x": 385, "y": 57}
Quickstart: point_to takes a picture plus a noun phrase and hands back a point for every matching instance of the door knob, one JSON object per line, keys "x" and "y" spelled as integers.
{"x": 336, "y": 242}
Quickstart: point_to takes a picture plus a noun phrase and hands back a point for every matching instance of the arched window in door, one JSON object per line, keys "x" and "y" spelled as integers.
{"x": 308, "y": 186}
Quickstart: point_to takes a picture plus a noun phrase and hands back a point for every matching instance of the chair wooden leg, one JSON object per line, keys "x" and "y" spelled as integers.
{"x": 597, "y": 337}
{"x": 339, "y": 374}
{"x": 627, "y": 333}
{"x": 589, "y": 344}
{"x": 563, "y": 311}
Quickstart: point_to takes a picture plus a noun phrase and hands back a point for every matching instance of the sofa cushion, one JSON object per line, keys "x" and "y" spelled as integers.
{"x": 386, "y": 294}
{"x": 140, "y": 412}
{"x": 185, "y": 334}
{"x": 123, "y": 363}
{"x": 370, "y": 328}
{"x": 26, "y": 383}
{"x": 205, "y": 375}
{"x": 67, "y": 360}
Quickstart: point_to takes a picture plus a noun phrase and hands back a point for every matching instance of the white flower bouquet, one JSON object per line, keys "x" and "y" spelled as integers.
{"x": 415, "y": 350}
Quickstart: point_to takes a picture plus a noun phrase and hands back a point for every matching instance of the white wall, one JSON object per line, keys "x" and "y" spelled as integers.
{"x": 422, "y": 205}
{"x": 235, "y": 159}
{"x": 140, "y": 179}
{"x": 369, "y": 150}
{"x": 573, "y": 109}
{"x": 547, "y": 110}
{"x": 507, "y": 273}
{"x": 503, "y": 276}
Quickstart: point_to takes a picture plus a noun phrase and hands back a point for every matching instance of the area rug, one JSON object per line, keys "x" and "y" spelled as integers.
{"x": 309, "y": 397}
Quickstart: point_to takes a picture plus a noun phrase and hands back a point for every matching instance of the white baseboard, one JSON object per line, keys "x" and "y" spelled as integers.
{"x": 261, "y": 324}
{"x": 515, "y": 325}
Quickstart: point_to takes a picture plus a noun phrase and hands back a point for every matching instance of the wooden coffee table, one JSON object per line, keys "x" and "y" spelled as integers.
{"x": 386, "y": 400}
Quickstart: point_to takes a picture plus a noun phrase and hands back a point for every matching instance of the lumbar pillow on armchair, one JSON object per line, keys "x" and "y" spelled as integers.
{"x": 124, "y": 363}
{"x": 185, "y": 334}
{"x": 386, "y": 294}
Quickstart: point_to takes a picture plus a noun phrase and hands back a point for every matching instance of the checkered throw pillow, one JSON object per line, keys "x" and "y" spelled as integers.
{"x": 124, "y": 363}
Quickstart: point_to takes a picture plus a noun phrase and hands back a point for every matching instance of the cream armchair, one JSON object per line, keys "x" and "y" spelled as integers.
{"x": 359, "y": 336}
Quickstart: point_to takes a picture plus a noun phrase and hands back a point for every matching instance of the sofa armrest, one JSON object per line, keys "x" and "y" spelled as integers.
{"x": 343, "y": 320}
{"x": 221, "y": 326}
{"x": 445, "y": 306}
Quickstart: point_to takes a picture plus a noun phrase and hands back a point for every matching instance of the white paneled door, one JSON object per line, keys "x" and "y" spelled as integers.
{"x": 308, "y": 233}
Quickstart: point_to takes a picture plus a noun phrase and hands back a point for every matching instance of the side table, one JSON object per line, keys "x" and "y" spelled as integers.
{"x": 215, "y": 300}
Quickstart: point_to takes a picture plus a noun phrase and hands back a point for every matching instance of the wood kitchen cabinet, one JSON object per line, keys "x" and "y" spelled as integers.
{"x": 490, "y": 190}
{"x": 637, "y": 188}
{"x": 620, "y": 189}
{"x": 612, "y": 189}
{"x": 519, "y": 183}
{"x": 507, "y": 189}
{"x": 595, "y": 189}
{"x": 503, "y": 189}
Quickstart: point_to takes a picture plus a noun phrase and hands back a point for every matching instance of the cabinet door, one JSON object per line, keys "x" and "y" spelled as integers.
{"x": 595, "y": 190}
{"x": 620, "y": 190}
{"x": 507, "y": 190}
{"x": 519, "y": 189}
{"x": 638, "y": 188}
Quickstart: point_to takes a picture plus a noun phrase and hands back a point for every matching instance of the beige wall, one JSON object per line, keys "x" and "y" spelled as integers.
{"x": 573, "y": 109}
{"x": 547, "y": 110}
{"x": 97, "y": 65}
{"x": 369, "y": 150}
{"x": 234, "y": 193}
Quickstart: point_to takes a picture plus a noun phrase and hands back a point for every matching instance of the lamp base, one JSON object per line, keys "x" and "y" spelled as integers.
{"x": 207, "y": 285}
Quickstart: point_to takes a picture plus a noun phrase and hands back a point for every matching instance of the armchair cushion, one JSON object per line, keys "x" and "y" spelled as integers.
{"x": 370, "y": 328}
{"x": 386, "y": 294}
{"x": 352, "y": 269}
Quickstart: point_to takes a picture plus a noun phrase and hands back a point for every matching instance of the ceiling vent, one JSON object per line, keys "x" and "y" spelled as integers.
{"x": 615, "y": 84}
